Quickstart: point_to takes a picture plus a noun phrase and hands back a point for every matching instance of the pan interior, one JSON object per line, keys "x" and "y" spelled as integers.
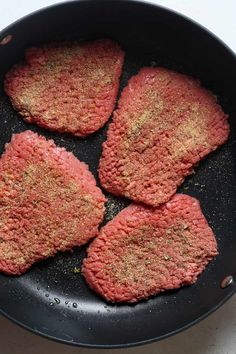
{"x": 52, "y": 298}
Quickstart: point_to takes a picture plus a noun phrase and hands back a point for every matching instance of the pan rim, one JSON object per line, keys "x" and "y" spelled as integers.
{"x": 121, "y": 345}
{"x": 151, "y": 4}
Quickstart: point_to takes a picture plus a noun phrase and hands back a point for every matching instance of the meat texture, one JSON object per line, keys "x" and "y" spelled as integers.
{"x": 49, "y": 202}
{"x": 67, "y": 87}
{"x": 164, "y": 125}
{"x": 144, "y": 251}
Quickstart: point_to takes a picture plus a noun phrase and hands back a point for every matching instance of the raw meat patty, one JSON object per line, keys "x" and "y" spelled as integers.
{"x": 144, "y": 251}
{"x": 165, "y": 124}
{"x": 49, "y": 202}
{"x": 67, "y": 87}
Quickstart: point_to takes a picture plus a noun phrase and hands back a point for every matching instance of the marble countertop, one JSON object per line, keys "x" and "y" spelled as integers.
{"x": 217, "y": 333}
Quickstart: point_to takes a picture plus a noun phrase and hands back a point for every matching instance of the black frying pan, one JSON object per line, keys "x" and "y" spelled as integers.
{"x": 52, "y": 300}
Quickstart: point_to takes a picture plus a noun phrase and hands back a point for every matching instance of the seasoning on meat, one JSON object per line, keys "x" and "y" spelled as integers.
{"x": 49, "y": 202}
{"x": 164, "y": 125}
{"x": 67, "y": 87}
{"x": 144, "y": 251}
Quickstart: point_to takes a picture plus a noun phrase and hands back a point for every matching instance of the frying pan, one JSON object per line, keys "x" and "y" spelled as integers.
{"x": 51, "y": 299}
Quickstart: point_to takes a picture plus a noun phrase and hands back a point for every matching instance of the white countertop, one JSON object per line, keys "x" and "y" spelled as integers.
{"x": 217, "y": 333}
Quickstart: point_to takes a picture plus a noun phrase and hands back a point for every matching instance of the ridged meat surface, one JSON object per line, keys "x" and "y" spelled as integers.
{"x": 67, "y": 87}
{"x": 144, "y": 251}
{"x": 49, "y": 202}
{"x": 164, "y": 125}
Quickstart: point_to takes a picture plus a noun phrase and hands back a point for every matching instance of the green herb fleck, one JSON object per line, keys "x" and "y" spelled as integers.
{"x": 76, "y": 270}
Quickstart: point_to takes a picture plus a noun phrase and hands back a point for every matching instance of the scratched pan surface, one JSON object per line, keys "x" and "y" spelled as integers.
{"x": 51, "y": 299}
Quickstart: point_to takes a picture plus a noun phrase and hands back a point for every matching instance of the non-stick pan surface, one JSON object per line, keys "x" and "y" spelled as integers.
{"x": 51, "y": 299}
